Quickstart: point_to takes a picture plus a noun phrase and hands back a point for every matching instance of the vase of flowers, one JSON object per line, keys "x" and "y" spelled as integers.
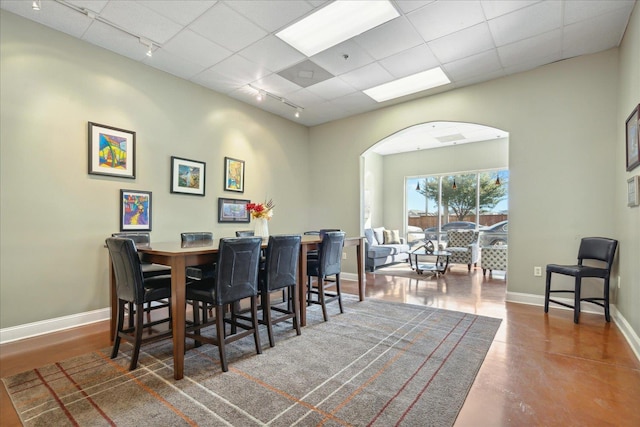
{"x": 262, "y": 213}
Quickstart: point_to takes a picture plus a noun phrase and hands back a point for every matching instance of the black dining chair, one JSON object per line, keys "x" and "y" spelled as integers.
{"x": 328, "y": 263}
{"x": 133, "y": 288}
{"x": 195, "y": 239}
{"x": 280, "y": 273}
{"x": 144, "y": 239}
{"x": 599, "y": 249}
{"x": 313, "y": 253}
{"x": 236, "y": 278}
{"x": 245, "y": 233}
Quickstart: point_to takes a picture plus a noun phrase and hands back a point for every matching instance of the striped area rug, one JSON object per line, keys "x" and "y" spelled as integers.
{"x": 378, "y": 364}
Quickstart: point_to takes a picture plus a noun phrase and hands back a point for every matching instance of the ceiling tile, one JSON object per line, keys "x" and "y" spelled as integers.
{"x": 271, "y": 15}
{"x": 409, "y": 5}
{"x": 172, "y": 64}
{"x": 368, "y": 76}
{"x": 356, "y": 101}
{"x": 272, "y": 53}
{"x": 445, "y": 17}
{"x": 594, "y": 35}
{"x": 105, "y": 36}
{"x": 276, "y": 84}
{"x": 461, "y": 44}
{"x": 181, "y": 11}
{"x": 196, "y": 48}
{"x": 531, "y": 63}
{"x": 304, "y": 98}
{"x": 218, "y": 82}
{"x": 411, "y": 61}
{"x": 527, "y": 22}
{"x": 333, "y": 59}
{"x": 580, "y": 10}
{"x": 56, "y": 16}
{"x": 531, "y": 49}
{"x": 378, "y": 43}
{"x": 228, "y": 28}
{"x": 466, "y": 68}
{"x": 331, "y": 89}
{"x": 140, "y": 20}
{"x": 494, "y": 8}
{"x": 239, "y": 69}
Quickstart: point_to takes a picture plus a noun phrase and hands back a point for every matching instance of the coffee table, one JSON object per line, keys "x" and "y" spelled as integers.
{"x": 439, "y": 266}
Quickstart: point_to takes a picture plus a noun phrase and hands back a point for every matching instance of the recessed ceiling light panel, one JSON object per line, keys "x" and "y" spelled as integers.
{"x": 407, "y": 85}
{"x": 335, "y": 23}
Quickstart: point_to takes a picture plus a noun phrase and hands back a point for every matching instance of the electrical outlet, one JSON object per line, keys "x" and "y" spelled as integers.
{"x": 537, "y": 271}
{"x": 344, "y": 255}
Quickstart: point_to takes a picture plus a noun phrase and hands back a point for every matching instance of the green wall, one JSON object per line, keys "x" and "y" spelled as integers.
{"x": 54, "y": 216}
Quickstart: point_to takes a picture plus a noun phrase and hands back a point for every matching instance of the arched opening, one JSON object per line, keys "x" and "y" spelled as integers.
{"x": 434, "y": 176}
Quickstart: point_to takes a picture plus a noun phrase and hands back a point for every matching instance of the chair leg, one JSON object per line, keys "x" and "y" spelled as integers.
{"x": 607, "y": 315}
{"x": 266, "y": 315}
{"x": 254, "y": 322}
{"x": 338, "y": 292}
{"x": 469, "y": 267}
{"x": 576, "y": 299}
{"x": 547, "y": 292}
{"x": 196, "y": 319}
{"x": 119, "y": 325}
{"x": 220, "y": 337}
{"x": 138, "y": 336}
{"x": 293, "y": 300}
{"x": 321, "y": 298}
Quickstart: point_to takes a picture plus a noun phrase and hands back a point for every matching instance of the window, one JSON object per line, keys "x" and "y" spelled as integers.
{"x": 475, "y": 200}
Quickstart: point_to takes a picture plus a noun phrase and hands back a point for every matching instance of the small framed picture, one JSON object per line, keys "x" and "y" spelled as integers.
{"x": 233, "y": 175}
{"x": 633, "y": 191}
{"x": 633, "y": 139}
{"x": 187, "y": 176}
{"x": 135, "y": 210}
{"x": 112, "y": 151}
{"x": 233, "y": 210}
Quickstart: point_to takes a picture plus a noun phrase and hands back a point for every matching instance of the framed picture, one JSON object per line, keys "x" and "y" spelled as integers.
{"x": 112, "y": 151}
{"x": 135, "y": 210}
{"x": 187, "y": 176}
{"x": 233, "y": 210}
{"x": 633, "y": 191}
{"x": 633, "y": 139}
{"x": 233, "y": 175}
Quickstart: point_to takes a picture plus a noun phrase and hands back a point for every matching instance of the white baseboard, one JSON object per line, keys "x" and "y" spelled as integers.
{"x": 34, "y": 329}
{"x": 624, "y": 326}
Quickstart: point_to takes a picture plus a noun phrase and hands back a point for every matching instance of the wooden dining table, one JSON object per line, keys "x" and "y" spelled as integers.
{"x": 178, "y": 256}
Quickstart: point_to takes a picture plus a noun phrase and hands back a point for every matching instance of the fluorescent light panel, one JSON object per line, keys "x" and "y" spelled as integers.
{"x": 407, "y": 85}
{"x": 335, "y": 23}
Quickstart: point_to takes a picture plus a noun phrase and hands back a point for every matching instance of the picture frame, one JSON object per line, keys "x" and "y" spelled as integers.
{"x": 188, "y": 176}
{"x": 233, "y": 175}
{"x": 632, "y": 132}
{"x": 633, "y": 191}
{"x": 112, "y": 151}
{"x": 233, "y": 210}
{"x": 135, "y": 210}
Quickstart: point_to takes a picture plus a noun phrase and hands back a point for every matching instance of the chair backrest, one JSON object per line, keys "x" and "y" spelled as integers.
{"x": 197, "y": 236}
{"x": 126, "y": 266}
{"x": 461, "y": 238}
{"x": 330, "y": 253}
{"x": 237, "y": 275}
{"x": 320, "y": 232}
{"x": 597, "y": 248}
{"x": 281, "y": 264}
{"x": 245, "y": 233}
{"x": 138, "y": 237}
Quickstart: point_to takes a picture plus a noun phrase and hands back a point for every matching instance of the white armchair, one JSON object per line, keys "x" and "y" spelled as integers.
{"x": 463, "y": 246}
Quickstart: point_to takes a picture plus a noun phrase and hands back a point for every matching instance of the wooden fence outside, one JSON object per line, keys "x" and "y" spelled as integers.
{"x": 432, "y": 221}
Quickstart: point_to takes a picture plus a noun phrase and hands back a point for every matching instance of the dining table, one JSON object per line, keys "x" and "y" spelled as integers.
{"x": 178, "y": 256}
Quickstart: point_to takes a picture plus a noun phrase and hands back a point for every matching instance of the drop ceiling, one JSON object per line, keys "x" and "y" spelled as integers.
{"x": 231, "y": 47}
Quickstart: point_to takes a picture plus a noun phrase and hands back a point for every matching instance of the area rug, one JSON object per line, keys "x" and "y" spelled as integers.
{"x": 378, "y": 364}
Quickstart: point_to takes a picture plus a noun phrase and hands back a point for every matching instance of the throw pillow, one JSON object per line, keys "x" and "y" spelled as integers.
{"x": 379, "y": 234}
{"x": 391, "y": 237}
{"x": 371, "y": 238}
